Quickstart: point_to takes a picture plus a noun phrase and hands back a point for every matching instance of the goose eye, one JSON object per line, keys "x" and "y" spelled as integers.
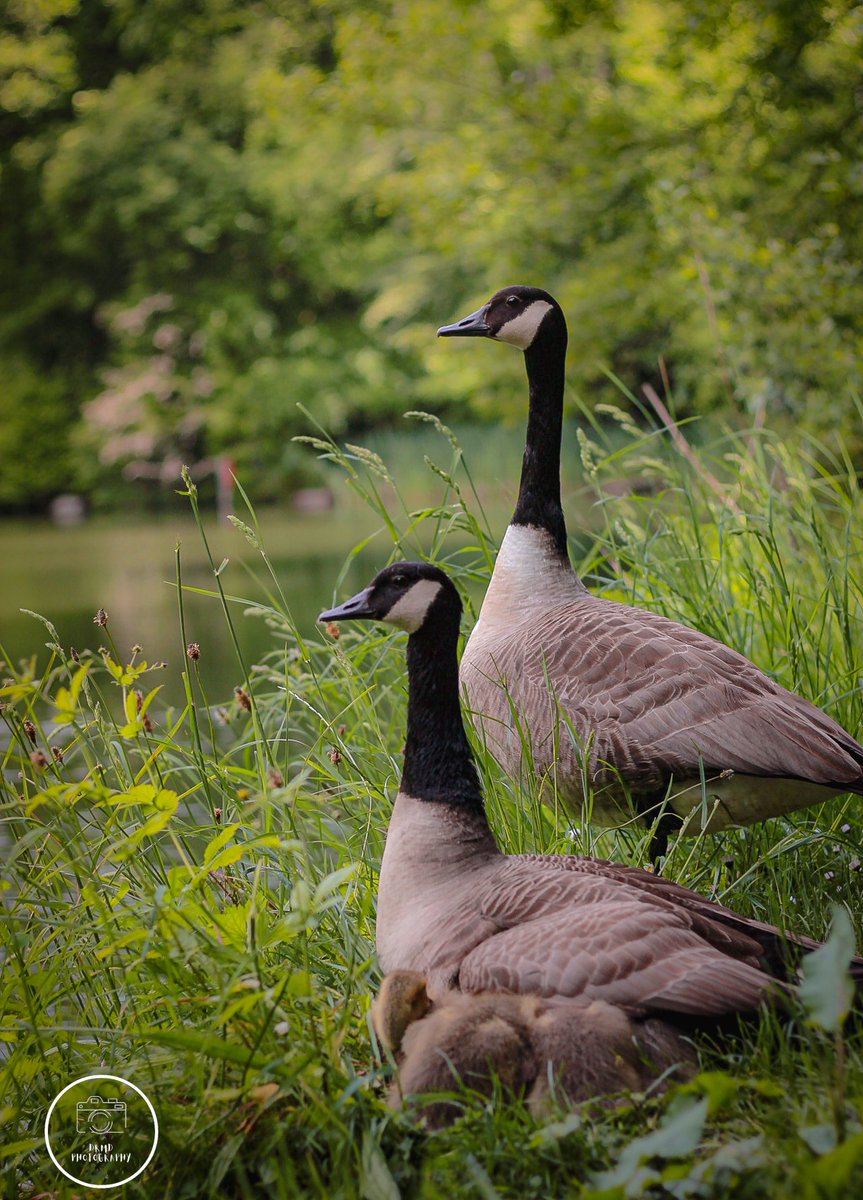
{"x": 398, "y": 580}
{"x": 513, "y": 301}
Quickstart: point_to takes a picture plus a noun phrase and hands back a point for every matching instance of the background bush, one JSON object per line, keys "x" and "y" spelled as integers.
{"x": 216, "y": 211}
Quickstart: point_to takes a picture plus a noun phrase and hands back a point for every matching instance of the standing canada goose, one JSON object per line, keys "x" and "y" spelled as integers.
{"x": 654, "y": 706}
{"x": 467, "y": 917}
{"x": 527, "y": 1044}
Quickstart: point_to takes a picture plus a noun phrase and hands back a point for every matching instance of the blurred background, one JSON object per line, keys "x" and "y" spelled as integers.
{"x": 224, "y": 222}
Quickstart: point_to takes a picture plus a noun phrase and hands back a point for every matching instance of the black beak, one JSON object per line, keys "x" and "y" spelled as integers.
{"x": 472, "y": 326}
{"x": 357, "y": 606}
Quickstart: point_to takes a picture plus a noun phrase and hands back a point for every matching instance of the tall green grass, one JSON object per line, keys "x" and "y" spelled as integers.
{"x": 188, "y": 894}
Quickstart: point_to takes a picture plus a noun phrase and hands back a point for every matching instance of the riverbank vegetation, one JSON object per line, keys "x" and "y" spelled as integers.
{"x": 212, "y": 213}
{"x": 188, "y": 893}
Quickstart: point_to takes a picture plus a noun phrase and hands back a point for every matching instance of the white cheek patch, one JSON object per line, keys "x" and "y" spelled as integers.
{"x": 521, "y": 330}
{"x": 410, "y": 612}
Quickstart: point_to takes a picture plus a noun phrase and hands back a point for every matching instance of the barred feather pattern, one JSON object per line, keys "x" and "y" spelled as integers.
{"x": 646, "y": 700}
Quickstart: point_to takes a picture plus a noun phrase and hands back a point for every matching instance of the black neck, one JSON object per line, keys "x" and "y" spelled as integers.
{"x": 438, "y": 763}
{"x": 539, "y": 492}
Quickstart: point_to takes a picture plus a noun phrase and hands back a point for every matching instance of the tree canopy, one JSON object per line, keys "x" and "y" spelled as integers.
{"x": 213, "y": 210}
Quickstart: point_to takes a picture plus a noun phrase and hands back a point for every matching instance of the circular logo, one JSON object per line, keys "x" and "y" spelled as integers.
{"x": 101, "y": 1131}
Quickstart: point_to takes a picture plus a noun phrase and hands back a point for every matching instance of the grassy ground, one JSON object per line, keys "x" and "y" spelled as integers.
{"x": 192, "y": 906}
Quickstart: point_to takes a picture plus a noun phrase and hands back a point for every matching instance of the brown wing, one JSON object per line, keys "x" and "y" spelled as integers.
{"x": 780, "y": 949}
{"x": 659, "y": 696}
{"x": 572, "y": 933}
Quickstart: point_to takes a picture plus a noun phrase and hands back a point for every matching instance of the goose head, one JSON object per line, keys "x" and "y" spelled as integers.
{"x": 522, "y": 316}
{"x": 405, "y": 594}
{"x": 402, "y": 1000}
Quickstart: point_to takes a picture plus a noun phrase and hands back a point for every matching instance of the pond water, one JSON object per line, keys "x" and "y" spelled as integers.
{"x": 129, "y": 568}
{"x": 127, "y": 565}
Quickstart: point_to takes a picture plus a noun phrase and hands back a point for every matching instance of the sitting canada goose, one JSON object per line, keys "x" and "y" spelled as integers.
{"x": 467, "y": 917}
{"x": 529, "y": 1045}
{"x": 656, "y": 705}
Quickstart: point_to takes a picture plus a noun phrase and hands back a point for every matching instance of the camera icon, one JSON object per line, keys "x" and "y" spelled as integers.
{"x": 95, "y": 1115}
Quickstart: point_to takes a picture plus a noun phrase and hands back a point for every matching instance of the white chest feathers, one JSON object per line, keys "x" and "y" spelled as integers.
{"x": 529, "y": 575}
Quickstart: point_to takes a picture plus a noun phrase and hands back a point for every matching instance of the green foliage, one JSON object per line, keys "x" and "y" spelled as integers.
{"x": 677, "y": 1136}
{"x": 316, "y": 187}
{"x": 37, "y": 412}
{"x": 187, "y": 897}
{"x": 826, "y": 989}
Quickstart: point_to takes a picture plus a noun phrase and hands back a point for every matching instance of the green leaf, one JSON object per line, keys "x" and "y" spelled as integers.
{"x": 221, "y": 839}
{"x": 163, "y": 799}
{"x": 164, "y": 804}
{"x": 66, "y": 700}
{"x": 330, "y": 884}
{"x": 555, "y": 1131}
{"x": 129, "y": 938}
{"x": 821, "y": 1139}
{"x": 677, "y": 1136}
{"x": 301, "y": 983}
{"x": 210, "y": 1045}
{"x": 831, "y": 1173}
{"x": 24, "y": 1147}
{"x": 134, "y": 714}
{"x": 142, "y": 793}
{"x": 224, "y": 1156}
{"x": 826, "y": 989}
{"x": 166, "y": 800}
{"x": 226, "y": 856}
{"x": 376, "y": 1181}
{"x": 114, "y": 667}
{"x": 233, "y": 921}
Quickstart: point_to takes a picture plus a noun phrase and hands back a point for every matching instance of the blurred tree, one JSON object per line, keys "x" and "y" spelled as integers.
{"x": 683, "y": 175}
{"x": 315, "y": 185}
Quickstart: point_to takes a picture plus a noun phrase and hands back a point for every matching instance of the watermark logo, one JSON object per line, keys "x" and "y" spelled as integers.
{"x": 101, "y": 1131}
{"x": 95, "y": 1115}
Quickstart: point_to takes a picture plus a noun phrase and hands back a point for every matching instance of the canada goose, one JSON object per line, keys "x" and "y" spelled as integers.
{"x": 656, "y": 706}
{"x": 467, "y": 917}
{"x": 581, "y": 1049}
